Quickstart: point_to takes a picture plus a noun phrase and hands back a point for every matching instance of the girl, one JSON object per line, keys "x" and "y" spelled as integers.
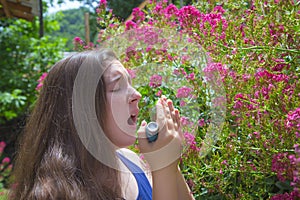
{"x": 74, "y": 143}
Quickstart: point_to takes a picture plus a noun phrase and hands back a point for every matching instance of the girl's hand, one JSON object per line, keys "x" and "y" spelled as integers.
{"x": 166, "y": 150}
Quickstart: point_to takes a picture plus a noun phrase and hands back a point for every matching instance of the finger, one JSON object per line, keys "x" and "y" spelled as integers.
{"x": 166, "y": 108}
{"x": 170, "y": 105}
{"x": 168, "y": 116}
{"x": 142, "y": 130}
{"x": 160, "y": 116}
{"x": 171, "y": 108}
{"x": 177, "y": 117}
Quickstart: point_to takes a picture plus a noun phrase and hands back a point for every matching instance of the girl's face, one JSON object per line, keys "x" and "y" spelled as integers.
{"x": 122, "y": 102}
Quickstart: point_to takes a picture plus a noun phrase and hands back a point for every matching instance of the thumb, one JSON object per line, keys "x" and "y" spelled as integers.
{"x": 142, "y": 130}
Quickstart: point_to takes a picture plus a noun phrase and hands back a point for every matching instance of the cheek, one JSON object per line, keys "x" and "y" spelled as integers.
{"x": 118, "y": 112}
{"x": 118, "y": 106}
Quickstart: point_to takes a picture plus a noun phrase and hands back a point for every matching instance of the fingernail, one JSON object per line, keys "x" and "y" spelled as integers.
{"x": 143, "y": 123}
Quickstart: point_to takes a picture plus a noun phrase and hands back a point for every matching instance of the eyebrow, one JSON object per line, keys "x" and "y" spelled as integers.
{"x": 117, "y": 77}
{"x": 114, "y": 79}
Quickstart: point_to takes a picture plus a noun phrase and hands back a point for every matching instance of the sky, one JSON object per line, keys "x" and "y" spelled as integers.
{"x": 67, "y": 5}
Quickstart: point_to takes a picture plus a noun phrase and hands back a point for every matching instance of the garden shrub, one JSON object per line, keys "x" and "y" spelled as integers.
{"x": 254, "y": 47}
{"x": 24, "y": 56}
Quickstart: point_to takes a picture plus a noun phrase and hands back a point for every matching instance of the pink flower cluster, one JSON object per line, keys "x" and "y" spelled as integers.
{"x": 130, "y": 25}
{"x": 294, "y": 195}
{"x": 79, "y": 44}
{"x": 149, "y": 35}
{"x": 185, "y": 121}
{"x": 138, "y": 15}
{"x": 6, "y": 160}
{"x": 155, "y": 81}
{"x": 40, "y": 81}
{"x": 190, "y": 18}
{"x": 103, "y": 2}
{"x": 184, "y": 92}
{"x": 78, "y": 41}
{"x": 211, "y": 24}
{"x": 170, "y": 11}
{"x": 265, "y": 75}
{"x": 283, "y": 166}
{"x": 243, "y": 101}
{"x": 293, "y": 121}
{"x": 181, "y": 71}
{"x": 280, "y": 65}
{"x": 215, "y": 71}
{"x": 191, "y": 142}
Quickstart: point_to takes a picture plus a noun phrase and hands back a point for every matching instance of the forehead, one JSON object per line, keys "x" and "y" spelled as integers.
{"x": 115, "y": 68}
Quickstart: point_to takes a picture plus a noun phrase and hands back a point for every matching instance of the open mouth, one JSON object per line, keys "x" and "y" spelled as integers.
{"x": 132, "y": 120}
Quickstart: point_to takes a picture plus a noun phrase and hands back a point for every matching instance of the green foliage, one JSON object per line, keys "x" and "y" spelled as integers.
{"x": 11, "y": 103}
{"x": 71, "y": 24}
{"x": 23, "y": 58}
{"x": 123, "y": 9}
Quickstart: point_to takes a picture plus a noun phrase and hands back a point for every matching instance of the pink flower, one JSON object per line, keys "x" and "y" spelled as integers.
{"x": 219, "y": 9}
{"x": 149, "y": 48}
{"x": 130, "y": 25}
{"x": 282, "y": 165}
{"x": 214, "y": 70}
{"x": 138, "y": 15}
{"x": 149, "y": 35}
{"x": 293, "y": 118}
{"x": 185, "y": 121}
{"x": 40, "y": 81}
{"x": 159, "y": 92}
{"x": 155, "y": 81}
{"x": 6, "y": 160}
{"x": 191, "y": 142}
{"x": 201, "y": 122}
{"x": 191, "y": 76}
{"x": 224, "y": 162}
{"x": 280, "y": 64}
{"x": 158, "y": 9}
{"x": 183, "y": 92}
{"x": 177, "y": 73}
{"x": 182, "y": 103}
{"x": 78, "y": 41}
{"x": 103, "y": 2}
{"x": 287, "y": 196}
{"x": 170, "y": 11}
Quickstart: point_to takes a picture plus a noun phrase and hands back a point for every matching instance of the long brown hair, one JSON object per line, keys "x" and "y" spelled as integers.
{"x": 52, "y": 162}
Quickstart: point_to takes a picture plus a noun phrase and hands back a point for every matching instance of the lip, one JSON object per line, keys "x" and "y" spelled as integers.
{"x": 132, "y": 120}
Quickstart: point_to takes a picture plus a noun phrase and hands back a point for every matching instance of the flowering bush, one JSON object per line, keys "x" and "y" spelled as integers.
{"x": 5, "y": 167}
{"x": 253, "y": 47}
{"x": 24, "y": 56}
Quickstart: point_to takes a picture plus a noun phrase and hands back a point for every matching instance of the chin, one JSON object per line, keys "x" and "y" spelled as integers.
{"x": 125, "y": 141}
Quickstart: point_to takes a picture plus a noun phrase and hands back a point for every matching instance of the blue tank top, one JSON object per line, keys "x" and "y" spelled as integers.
{"x": 145, "y": 189}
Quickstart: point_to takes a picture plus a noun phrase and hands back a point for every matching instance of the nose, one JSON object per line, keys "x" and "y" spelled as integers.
{"x": 134, "y": 96}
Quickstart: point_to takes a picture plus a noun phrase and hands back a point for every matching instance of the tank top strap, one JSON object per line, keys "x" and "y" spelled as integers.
{"x": 144, "y": 187}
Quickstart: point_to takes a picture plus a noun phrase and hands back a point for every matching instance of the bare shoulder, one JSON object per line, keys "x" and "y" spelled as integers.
{"x": 135, "y": 158}
{"x": 132, "y": 156}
